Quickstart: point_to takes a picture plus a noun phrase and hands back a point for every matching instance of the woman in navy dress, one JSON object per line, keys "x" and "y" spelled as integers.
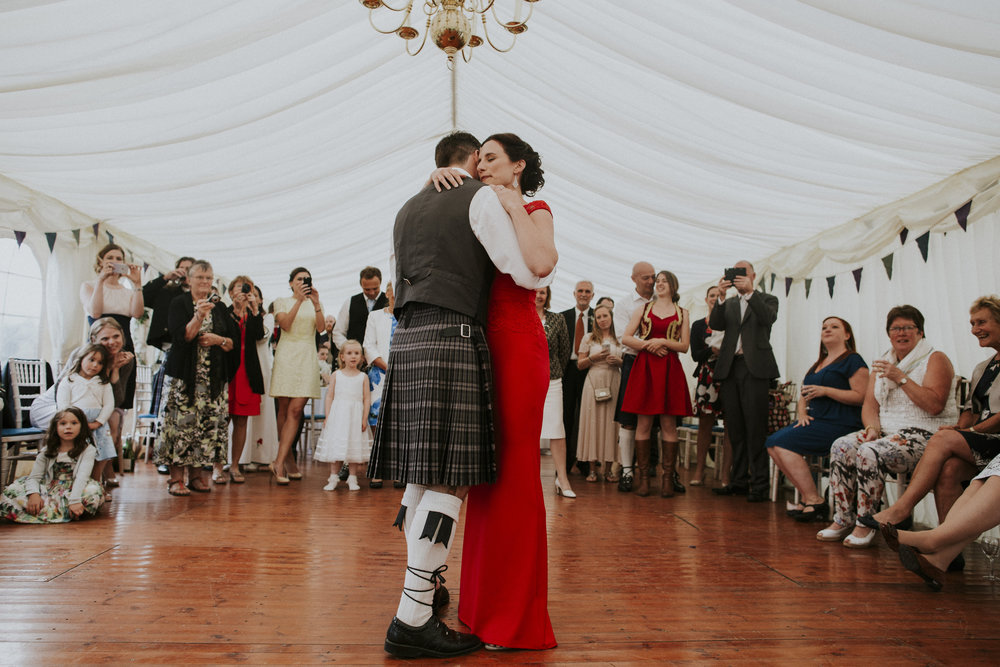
{"x": 830, "y": 407}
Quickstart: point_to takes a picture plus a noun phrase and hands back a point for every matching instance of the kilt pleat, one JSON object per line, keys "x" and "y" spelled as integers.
{"x": 436, "y": 421}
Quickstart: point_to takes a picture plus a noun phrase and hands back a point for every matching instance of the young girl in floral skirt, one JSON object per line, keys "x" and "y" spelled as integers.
{"x": 59, "y": 488}
{"x": 345, "y": 436}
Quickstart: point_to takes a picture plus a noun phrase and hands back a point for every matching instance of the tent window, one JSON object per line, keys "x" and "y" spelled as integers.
{"x": 20, "y": 301}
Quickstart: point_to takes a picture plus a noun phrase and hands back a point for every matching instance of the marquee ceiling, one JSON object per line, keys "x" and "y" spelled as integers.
{"x": 265, "y": 135}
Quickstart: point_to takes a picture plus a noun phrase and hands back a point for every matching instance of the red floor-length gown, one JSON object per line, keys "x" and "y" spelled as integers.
{"x": 504, "y": 591}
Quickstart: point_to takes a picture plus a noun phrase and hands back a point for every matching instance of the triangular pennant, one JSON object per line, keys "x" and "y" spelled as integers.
{"x": 829, "y": 284}
{"x": 788, "y": 285}
{"x": 903, "y": 233}
{"x": 76, "y": 235}
{"x": 20, "y": 237}
{"x": 922, "y": 241}
{"x": 761, "y": 284}
{"x": 772, "y": 281}
{"x": 857, "y": 277}
{"x": 97, "y": 229}
{"x": 111, "y": 239}
{"x": 809, "y": 284}
{"x": 962, "y": 214}
{"x": 887, "y": 263}
{"x": 145, "y": 266}
{"x": 51, "y": 238}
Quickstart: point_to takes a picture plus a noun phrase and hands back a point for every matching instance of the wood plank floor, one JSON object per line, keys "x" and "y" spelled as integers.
{"x": 264, "y": 574}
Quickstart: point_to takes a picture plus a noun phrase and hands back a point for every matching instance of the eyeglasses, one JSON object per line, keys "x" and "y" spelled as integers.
{"x": 907, "y": 329}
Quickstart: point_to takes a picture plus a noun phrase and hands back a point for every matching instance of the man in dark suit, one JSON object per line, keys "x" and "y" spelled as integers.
{"x": 745, "y": 368}
{"x": 579, "y": 323}
{"x": 352, "y": 320}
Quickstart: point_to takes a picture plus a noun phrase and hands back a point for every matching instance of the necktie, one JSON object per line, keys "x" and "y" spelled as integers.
{"x": 578, "y": 336}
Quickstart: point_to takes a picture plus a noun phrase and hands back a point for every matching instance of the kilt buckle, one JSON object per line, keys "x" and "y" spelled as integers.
{"x": 462, "y": 330}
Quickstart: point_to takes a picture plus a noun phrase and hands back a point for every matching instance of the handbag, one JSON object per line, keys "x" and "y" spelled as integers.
{"x": 778, "y": 416}
{"x": 602, "y": 394}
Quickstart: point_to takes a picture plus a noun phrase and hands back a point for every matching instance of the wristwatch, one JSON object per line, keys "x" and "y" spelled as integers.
{"x": 904, "y": 381}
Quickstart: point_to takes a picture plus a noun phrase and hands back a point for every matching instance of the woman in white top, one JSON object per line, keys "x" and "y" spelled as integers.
{"x": 910, "y": 394}
{"x": 262, "y": 430}
{"x": 107, "y": 296}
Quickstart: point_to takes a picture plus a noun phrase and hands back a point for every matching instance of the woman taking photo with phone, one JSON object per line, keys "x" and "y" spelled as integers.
{"x": 107, "y": 296}
{"x": 295, "y": 377}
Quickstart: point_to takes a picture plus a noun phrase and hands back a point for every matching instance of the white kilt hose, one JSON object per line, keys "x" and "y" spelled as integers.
{"x": 436, "y": 422}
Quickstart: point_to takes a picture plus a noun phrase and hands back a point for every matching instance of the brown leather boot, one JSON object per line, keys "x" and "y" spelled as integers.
{"x": 642, "y": 466}
{"x": 669, "y": 458}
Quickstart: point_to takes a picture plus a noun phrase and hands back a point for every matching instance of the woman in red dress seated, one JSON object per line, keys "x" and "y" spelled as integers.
{"x": 657, "y": 385}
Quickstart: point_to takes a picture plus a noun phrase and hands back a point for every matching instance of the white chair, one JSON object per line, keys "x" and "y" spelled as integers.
{"x": 147, "y": 423}
{"x": 21, "y": 441}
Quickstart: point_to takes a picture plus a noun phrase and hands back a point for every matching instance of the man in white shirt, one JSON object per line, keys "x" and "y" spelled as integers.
{"x": 643, "y": 276}
{"x": 353, "y": 316}
{"x": 579, "y": 322}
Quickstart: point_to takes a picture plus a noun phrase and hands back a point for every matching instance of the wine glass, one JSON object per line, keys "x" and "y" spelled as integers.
{"x": 990, "y": 547}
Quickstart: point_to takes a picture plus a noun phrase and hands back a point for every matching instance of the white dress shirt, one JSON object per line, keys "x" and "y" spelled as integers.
{"x": 378, "y": 335}
{"x": 624, "y": 310}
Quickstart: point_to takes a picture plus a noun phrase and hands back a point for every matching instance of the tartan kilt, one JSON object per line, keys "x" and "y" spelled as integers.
{"x": 436, "y": 421}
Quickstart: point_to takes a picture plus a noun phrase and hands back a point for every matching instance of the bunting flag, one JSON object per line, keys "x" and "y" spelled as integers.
{"x": 857, "y": 277}
{"x": 97, "y": 230}
{"x": 20, "y": 237}
{"x": 761, "y": 284}
{"x": 788, "y": 285}
{"x": 922, "y": 241}
{"x": 51, "y": 238}
{"x": 887, "y": 263}
{"x": 809, "y": 284}
{"x": 903, "y": 233}
{"x": 111, "y": 239}
{"x": 829, "y": 283}
{"x": 773, "y": 276}
{"x": 145, "y": 266}
{"x": 962, "y": 214}
{"x": 76, "y": 235}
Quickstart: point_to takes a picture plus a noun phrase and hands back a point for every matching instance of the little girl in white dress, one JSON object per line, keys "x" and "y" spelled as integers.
{"x": 345, "y": 436}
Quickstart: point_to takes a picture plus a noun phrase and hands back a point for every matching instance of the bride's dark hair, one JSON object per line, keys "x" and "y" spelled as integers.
{"x": 532, "y": 178}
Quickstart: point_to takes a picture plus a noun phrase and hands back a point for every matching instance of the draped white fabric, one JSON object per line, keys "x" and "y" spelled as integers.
{"x": 802, "y": 135}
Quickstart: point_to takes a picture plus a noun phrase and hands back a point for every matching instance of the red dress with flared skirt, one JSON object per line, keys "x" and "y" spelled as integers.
{"x": 657, "y": 385}
{"x": 504, "y": 590}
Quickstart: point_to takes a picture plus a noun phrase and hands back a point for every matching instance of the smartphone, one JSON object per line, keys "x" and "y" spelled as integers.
{"x": 307, "y": 284}
{"x": 734, "y": 271}
{"x": 119, "y": 268}
{"x": 245, "y": 288}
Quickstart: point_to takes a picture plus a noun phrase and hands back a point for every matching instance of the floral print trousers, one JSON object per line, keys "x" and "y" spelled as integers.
{"x": 858, "y": 469}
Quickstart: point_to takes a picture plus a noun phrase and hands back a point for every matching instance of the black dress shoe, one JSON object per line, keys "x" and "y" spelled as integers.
{"x": 398, "y": 485}
{"x": 731, "y": 490}
{"x": 625, "y": 483}
{"x": 678, "y": 487}
{"x": 163, "y": 470}
{"x": 375, "y": 484}
{"x": 433, "y": 639}
{"x": 441, "y": 599}
{"x": 757, "y": 497}
{"x": 958, "y": 564}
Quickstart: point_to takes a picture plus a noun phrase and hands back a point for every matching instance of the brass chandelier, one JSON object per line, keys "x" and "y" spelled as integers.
{"x": 451, "y": 24}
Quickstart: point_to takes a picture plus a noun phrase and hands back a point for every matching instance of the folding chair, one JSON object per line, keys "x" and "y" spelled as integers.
{"x": 21, "y": 441}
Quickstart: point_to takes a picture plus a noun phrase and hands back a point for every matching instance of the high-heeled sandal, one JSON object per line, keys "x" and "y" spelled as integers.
{"x": 280, "y": 481}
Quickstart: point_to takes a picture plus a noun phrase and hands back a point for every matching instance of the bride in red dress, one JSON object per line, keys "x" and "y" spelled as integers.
{"x": 504, "y": 589}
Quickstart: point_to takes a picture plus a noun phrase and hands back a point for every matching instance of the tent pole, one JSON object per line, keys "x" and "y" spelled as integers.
{"x": 454, "y": 97}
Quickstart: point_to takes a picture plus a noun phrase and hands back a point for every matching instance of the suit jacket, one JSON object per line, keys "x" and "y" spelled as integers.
{"x": 570, "y": 316}
{"x": 755, "y": 327}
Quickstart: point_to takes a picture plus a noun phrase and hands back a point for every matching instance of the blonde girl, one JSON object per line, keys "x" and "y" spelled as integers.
{"x": 345, "y": 436}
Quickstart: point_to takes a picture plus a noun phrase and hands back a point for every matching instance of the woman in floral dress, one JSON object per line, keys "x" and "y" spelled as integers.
{"x": 203, "y": 358}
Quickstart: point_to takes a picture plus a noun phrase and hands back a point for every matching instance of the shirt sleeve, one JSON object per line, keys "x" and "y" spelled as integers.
{"x": 339, "y": 334}
{"x": 108, "y": 403}
{"x": 370, "y": 344}
{"x": 494, "y": 229}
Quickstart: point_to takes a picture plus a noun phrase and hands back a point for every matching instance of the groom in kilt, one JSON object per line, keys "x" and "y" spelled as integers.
{"x": 435, "y": 429}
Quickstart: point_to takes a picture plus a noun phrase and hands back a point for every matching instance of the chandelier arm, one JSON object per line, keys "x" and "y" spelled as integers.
{"x": 371, "y": 20}
{"x": 531, "y": 9}
{"x": 486, "y": 33}
{"x": 485, "y": 9}
{"x": 408, "y": 8}
{"x": 423, "y": 41}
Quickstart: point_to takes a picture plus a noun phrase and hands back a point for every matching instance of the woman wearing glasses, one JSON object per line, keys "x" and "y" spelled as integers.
{"x": 909, "y": 395}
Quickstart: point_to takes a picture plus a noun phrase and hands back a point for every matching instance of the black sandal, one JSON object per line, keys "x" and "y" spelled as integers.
{"x": 817, "y": 512}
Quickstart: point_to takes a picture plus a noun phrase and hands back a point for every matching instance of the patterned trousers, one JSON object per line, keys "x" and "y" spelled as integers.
{"x": 858, "y": 469}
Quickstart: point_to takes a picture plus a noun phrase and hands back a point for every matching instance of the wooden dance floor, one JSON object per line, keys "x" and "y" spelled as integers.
{"x": 264, "y": 574}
